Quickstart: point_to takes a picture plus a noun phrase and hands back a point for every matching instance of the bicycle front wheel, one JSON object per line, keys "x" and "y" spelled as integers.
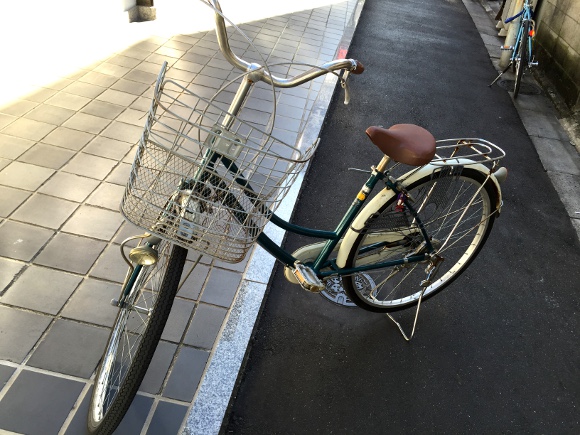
{"x": 522, "y": 58}
{"x": 457, "y": 208}
{"x": 134, "y": 337}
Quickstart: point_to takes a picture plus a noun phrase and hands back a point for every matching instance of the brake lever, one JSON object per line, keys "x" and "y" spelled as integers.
{"x": 344, "y": 85}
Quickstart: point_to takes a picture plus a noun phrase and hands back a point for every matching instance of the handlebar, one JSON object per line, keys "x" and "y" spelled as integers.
{"x": 351, "y": 65}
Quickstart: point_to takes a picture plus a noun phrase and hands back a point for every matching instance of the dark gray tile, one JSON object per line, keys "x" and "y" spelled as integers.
{"x": 108, "y": 148}
{"x": 110, "y": 265}
{"x": 71, "y": 253}
{"x": 167, "y": 418}
{"x": 32, "y": 287}
{"x": 11, "y": 147}
{"x": 8, "y": 270}
{"x": 71, "y": 348}
{"x": 134, "y": 420}
{"x": 205, "y": 326}
{"x": 158, "y": 368}
{"x": 186, "y": 374}
{"x": 22, "y": 241}
{"x": 107, "y": 195}
{"x": 178, "y": 320}
{"x": 78, "y": 424}
{"x": 90, "y": 166}
{"x": 47, "y": 156}
{"x": 192, "y": 286}
{"x": 51, "y": 399}
{"x": 11, "y": 199}
{"x": 50, "y": 114}
{"x": 221, "y": 287}
{"x": 5, "y": 374}
{"x": 92, "y": 302}
{"x": 20, "y": 330}
{"x": 94, "y": 222}
{"x": 69, "y": 186}
{"x": 46, "y": 211}
{"x": 24, "y": 176}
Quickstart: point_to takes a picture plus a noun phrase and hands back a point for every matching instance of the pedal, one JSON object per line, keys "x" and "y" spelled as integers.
{"x": 307, "y": 278}
{"x": 506, "y": 48}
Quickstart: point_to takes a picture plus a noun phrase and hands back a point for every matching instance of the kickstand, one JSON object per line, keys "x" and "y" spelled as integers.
{"x": 500, "y": 74}
{"x": 414, "y": 323}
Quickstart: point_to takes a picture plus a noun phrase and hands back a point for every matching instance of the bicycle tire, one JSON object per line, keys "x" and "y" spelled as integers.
{"x": 382, "y": 290}
{"x": 522, "y": 58}
{"x": 117, "y": 381}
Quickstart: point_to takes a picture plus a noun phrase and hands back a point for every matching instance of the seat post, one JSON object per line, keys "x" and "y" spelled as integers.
{"x": 382, "y": 166}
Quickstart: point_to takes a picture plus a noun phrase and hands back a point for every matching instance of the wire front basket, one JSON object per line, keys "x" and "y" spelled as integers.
{"x": 204, "y": 178}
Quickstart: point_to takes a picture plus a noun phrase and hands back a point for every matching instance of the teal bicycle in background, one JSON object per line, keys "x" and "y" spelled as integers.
{"x": 522, "y": 54}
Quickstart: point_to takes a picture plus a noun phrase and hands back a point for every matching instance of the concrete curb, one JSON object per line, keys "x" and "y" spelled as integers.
{"x": 556, "y": 150}
{"x": 219, "y": 380}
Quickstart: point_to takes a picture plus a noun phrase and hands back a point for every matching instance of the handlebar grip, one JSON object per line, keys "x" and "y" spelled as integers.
{"x": 510, "y": 19}
{"x": 359, "y": 68}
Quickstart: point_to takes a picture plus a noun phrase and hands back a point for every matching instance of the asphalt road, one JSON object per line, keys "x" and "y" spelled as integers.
{"x": 497, "y": 351}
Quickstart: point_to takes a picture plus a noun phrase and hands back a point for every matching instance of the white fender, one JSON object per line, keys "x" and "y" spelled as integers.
{"x": 386, "y": 194}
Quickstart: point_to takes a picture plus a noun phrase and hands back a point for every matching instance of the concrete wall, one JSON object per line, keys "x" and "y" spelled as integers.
{"x": 557, "y": 46}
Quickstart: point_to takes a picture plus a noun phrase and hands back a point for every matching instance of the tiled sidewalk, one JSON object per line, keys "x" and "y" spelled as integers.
{"x": 65, "y": 154}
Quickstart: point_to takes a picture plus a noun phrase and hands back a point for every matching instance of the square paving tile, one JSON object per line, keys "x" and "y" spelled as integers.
{"x": 123, "y": 132}
{"x": 5, "y": 374}
{"x": 107, "y": 195}
{"x": 107, "y": 147}
{"x": 90, "y": 166}
{"x": 87, "y": 123}
{"x": 39, "y": 95}
{"x": 167, "y": 418}
{"x": 71, "y": 253}
{"x": 178, "y": 320}
{"x": 119, "y": 175}
{"x": 11, "y": 199}
{"x": 133, "y": 117}
{"x": 68, "y": 138}
{"x": 130, "y": 87}
{"x": 8, "y": 270}
{"x": 205, "y": 326}
{"x": 37, "y": 391}
{"x": 45, "y": 211}
{"x": 125, "y": 61}
{"x": 221, "y": 287}
{"x": 78, "y": 424}
{"x": 110, "y": 265}
{"x": 94, "y": 222}
{"x": 20, "y": 330}
{"x": 102, "y": 109}
{"x": 186, "y": 374}
{"x": 18, "y": 107}
{"x": 192, "y": 286}
{"x": 70, "y": 348}
{"x": 87, "y": 90}
{"x": 96, "y": 78}
{"x": 141, "y": 76}
{"x": 153, "y": 380}
{"x": 28, "y": 129}
{"x": 92, "y": 303}
{"x": 117, "y": 97}
{"x": 11, "y": 147}
{"x": 36, "y": 283}
{"x": 50, "y": 114}
{"x": 22, "y": 241}
{"x": 134, "y": 420}
{"x": 24, "y": 176}
{"x": 69, "y": 186}
{"x": 68, "y": 101}
{"x": 47, "y": 155}
{"x": 111, "y": 69}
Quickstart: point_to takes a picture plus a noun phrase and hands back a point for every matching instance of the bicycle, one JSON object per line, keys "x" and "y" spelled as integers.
{"x": 522, "y": 55}
{"x": 208, "y": 180}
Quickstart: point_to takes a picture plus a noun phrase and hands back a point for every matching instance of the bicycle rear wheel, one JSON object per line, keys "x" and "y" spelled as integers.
{"x": 134, "y": 338}
{"x": 522, "y": 58}
{"x": 440, "y": 200}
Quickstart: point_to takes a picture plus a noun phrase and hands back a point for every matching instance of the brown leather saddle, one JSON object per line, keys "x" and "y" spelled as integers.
{"x": 404, "y": 143}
